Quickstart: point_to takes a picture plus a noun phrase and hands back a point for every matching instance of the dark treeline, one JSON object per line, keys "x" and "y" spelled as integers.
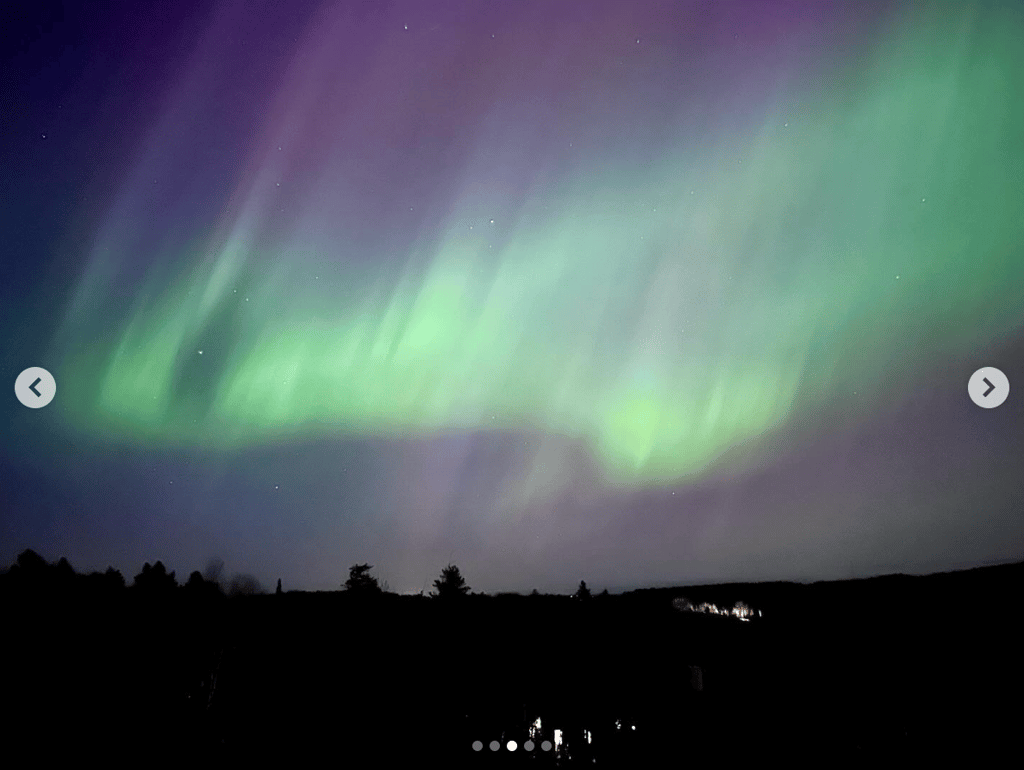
{"x": 898, "y": 668}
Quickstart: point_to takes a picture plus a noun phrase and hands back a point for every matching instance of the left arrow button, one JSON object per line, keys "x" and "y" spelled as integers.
{"x": 35, "y": 387}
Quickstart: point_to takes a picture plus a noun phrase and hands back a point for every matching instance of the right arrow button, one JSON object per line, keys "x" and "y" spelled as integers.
{"x": 988, "y": 387}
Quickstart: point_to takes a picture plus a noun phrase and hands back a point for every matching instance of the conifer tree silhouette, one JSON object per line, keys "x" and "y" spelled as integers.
{"x": 450, "y": 584}
{"x": 360, "y": 581}
{"x": 582, "y": 593}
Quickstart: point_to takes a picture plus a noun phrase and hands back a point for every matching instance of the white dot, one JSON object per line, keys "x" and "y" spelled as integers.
{"x": 278, "y": 184}
{"x": 200, "y": 352}
{"x": 897, "y": 277}
{"x": 407, "y": 26}
{"x": 495, "y": 745}
{"x": 638, "y": 40}
{"x": 492, "y": 221}
{"x": 511, "y": 746}
{"x": 922, "y": 200}
{"x": 234, "y": 291}
{"x": 279, "y": 147}
{"x": 477, "y": 746}
{"x": 276, "y": 486}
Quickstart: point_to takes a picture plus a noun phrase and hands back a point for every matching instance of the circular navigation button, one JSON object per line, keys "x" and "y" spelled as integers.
{"x": 988, "y": 387}
{"x": 35, "y": 387}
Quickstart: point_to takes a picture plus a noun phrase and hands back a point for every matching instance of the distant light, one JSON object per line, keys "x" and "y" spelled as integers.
{"x": 511, "y": 746}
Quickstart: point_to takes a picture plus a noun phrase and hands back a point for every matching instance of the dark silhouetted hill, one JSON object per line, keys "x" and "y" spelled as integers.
{"x": 891, "y": 669}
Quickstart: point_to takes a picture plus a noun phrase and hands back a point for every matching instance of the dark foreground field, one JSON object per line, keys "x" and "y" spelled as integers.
{"x": 912, "y": 670}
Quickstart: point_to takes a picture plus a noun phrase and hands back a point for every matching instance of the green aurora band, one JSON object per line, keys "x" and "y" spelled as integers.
{"x": 664, "y": 315}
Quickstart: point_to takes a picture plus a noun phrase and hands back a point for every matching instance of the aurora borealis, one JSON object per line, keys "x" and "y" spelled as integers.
{"x": 630, "y": 292}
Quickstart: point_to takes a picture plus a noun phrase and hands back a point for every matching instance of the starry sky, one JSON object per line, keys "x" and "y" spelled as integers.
{"x": 636, "y": 293}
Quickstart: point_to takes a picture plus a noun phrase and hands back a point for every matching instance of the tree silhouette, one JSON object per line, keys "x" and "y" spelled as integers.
{"x": 107, "y": 582}
{"x": 244, "y": 585}
{"x": 155, "y": 578}
{"x": 213, "y": 571}
{"x": 114, "y": 578}
{"x": 31, "y": 566}
{"x": 278, "y": 591}
{"x": 198, "y": 586}
{"x": 582, "y": 593}
{"x": 360, "y": 581}
{"x": 451, "y": 583}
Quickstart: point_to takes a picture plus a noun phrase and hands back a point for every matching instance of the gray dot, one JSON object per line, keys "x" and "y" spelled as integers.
{"x": 478, "y": 746}
{"x": 528, "y": 745}
{"x": 546, "y": 746}
{"x": 495, "y": 745}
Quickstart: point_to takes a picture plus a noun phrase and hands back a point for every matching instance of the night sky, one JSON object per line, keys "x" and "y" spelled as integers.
{"x": 631, "y": 292}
